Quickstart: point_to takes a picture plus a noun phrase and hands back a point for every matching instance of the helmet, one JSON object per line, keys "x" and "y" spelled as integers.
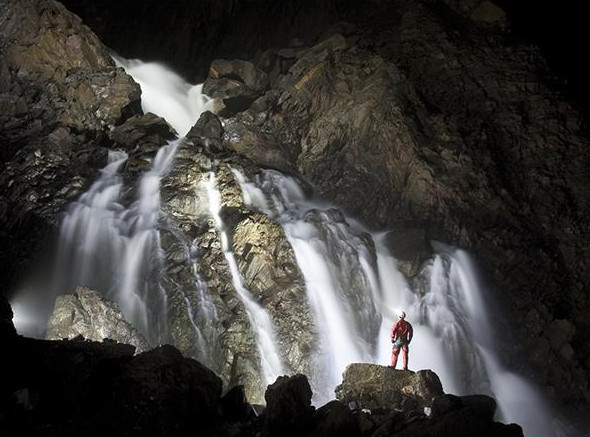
{"x": 401, "y": 314}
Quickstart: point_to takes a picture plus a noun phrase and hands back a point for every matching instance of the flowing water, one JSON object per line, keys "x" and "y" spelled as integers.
{"x": 353, "y": 291}
{"x": 453, "y": 333}
{"x": 328, "y": 254}
{"x": 166, "y": 94}
{"x": 115, "y": 249}
{"x": 260, "y": 321}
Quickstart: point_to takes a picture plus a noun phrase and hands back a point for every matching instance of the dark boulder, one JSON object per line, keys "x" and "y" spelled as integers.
{"x": 335, "y": 419}
{"x": 75, "y": 387}
{"x": 288, "y": 407}
{"x": 7, "y": 329}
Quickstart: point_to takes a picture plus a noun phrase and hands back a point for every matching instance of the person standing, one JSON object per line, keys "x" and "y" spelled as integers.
{"x": 401, "y": 336}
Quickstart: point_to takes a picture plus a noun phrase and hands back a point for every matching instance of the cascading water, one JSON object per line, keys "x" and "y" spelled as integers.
{"x": 453, "y": 335}
{"x": 455, "y": 338}
{"x": 519, "y": 400}
{"x": 329, "y": 255}
{"x": 166, "y": 94}
{"x": 117, "y": 250}
{"x": 260, "y": 321}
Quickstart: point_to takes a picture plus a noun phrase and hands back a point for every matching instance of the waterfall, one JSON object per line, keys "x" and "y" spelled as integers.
{"x": 87, "y": 219}
{"x": 116, "y": 249}
{"x": 519, "y": 400}
{"x": 455, "y": 337}
{"x": 202, "y": 314}
{"x": 353, "y": 288}
{"x": 260, "y": 321}
{"x": 334, "y": 261}
{"x": 166, "y": 94}
{"x": 77, "y": 262}
{"x": 452, "y": 332}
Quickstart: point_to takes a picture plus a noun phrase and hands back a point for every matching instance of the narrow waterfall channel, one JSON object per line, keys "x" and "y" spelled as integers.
{"x": 260, "y": 321}
{"x": 353, "y": 289}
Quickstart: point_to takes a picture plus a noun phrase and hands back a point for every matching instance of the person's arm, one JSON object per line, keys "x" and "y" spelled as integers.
{"x": 393, "y": 331}
{"x": 410, "y": 332}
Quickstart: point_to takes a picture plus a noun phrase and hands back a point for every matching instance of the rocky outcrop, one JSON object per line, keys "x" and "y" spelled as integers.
{"x": 60, "y": 95}
{"x": 370, "y": 386}
{"x": 7, "y": 329}
{"x": 73, "y": 387}
{"x": 236, "y": 83}
{"x": 85, "y": 313}
{"x": 288, "y": 407}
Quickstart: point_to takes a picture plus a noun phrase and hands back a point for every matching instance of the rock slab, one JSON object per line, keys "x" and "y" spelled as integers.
{"x": 370, "y": 386}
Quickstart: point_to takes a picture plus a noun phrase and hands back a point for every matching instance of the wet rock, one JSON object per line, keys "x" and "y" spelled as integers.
{"x": 85, "y": 313}
{"x": 263, "y": 149}
{"x": 208, "y": 131}
{"x": 410, "y": 247}
{"x": 267, "y": 263}
{"x": 148, "y": 131}
{"x": 236, "y": 82}
{"x": 373, "y": 386}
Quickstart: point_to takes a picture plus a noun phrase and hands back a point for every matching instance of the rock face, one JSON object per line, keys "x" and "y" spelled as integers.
{"x": 372, "y": 386}
{"x": 7, "y": 329}
{"x": 86, "y": 314}
{"x": 60, "y": 95}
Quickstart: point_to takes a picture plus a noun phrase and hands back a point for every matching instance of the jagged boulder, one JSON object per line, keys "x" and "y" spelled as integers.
{"x": 237, "y": 83}
{"x": 7, "y": 329}
{"x": 288, "y": 407}
{"x": 369, "y": 386}
{"x": 85, "y": 313}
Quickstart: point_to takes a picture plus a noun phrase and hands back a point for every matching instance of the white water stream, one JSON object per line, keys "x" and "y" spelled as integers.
{"x": 453, "y": 333}
{"x": 270, "y": 360}
{"x": 166, "y": 94}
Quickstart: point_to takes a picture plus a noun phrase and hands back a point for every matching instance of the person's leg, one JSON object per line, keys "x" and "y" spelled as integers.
{"x": 405, "y": 349}
{"x": 394, "y": 355}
